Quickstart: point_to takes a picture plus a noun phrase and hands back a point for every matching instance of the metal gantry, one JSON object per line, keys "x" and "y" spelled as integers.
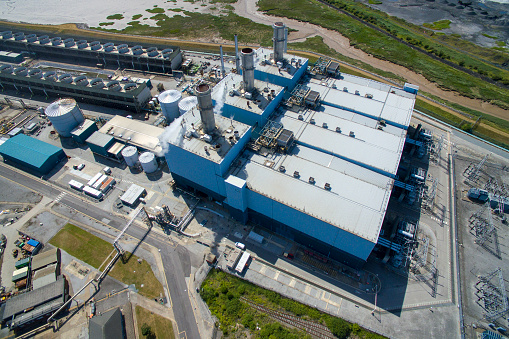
{"x": 490, "y": 289}
{"x": 435, "y": 149}
{"x": 472, "y": 171}
{"x": 481, "y": 224}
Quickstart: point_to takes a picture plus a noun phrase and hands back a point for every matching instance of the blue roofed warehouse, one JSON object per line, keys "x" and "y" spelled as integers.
{"x": 31, "y": 153}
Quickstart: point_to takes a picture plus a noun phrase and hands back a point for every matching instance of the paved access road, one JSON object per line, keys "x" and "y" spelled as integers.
{"x": 173, "y": 267}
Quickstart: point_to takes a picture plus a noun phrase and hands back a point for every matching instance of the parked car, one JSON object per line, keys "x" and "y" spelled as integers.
{"x": 240, "y": 245}
{"x": 81, "y": 166}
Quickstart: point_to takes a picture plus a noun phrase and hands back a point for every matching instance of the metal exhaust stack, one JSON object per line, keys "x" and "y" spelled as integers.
{"x": 279, "y": 41}
{"x": 204, "y": 95}
{"x": 248, "y": 69}
{"x": 237, "y": 63}
{"x": 222, "y": 60}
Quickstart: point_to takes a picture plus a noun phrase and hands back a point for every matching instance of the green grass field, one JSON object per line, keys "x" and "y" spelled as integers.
{"x": 93, "y": 250}
{"x": 438, "y": 25}
{"x": 160, "y": 326}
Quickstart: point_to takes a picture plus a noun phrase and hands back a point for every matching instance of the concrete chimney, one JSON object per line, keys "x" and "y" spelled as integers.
{"x": 237, "y": 61}
{"x": 248, "y": 69}
{"x": 222, "y": 60}
{"x": 204, "y": 95}
{"x": 279, "y": 40}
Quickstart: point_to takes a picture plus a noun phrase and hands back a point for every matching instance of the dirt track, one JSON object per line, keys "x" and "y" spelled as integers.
{"x": 341, "y": 44}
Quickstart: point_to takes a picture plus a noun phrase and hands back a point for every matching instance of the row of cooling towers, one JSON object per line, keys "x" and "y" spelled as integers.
{"x": 67, "y": 78}
{"x": 151, "y": 52}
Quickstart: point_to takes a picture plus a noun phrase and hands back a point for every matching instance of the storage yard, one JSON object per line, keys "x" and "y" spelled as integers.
{"x": 319, "y": 185}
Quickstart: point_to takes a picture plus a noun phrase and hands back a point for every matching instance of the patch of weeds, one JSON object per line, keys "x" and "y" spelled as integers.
{"x": 115, "y": 17}
{"x": 106, "y": 23}
{"x": 155, "y": 10}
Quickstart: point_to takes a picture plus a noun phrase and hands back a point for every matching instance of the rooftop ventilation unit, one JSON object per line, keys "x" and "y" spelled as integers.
{"x": 327, "y": 186}
{"x": 312, "y": 121}
{"x": 282, "y": 169}
{"x": 357, "y": 93}
{"x": 369, "y": 96}
{"x": 345, "y": 89}
{"x": 56, "y": 41}
{"x": 312, "y": 180}
{"x": 296, "y": 174}
{"x": 31, "y": 38}
{"x": 338, "y": 129}
{"x": 324, "y": 125}
{"x": 43, "y": 40}
{"x": 352, "y": 134}
{"x": 301, "y": 117}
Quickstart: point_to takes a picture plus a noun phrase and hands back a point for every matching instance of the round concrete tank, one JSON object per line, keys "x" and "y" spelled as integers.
{"x": 65, "y": 115}
{"x": 130, "y": 154}
{"x": 187, "y": 104}
{"x": 169, "y": 101}
{"x": 148, "y": 162}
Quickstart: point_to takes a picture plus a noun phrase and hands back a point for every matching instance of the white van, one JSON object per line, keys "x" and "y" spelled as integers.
{"x": 240, "y": 245}
{"x": 107, "y": 170}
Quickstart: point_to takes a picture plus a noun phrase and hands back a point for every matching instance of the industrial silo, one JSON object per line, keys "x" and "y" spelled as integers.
{"x": 169, "y": 101}
{"x": 65, "y": 115}
{"x": 148, "y": 162}
{"x": 130, "y": 154}
{"x": 187, "y": 104}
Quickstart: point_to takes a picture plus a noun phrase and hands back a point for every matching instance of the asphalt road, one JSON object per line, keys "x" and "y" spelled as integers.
{"x": 173, "y": 267}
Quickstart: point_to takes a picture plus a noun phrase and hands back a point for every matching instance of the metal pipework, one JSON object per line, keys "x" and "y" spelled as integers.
{"x": 279, "y": 41}
{"x": 222, "y": 60}
{"x": 204, "y": 95}
{"x": 237, "y": 61}
{"x": 248, "y": 69}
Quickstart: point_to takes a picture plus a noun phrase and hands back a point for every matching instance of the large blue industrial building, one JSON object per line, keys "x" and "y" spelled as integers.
{"x": 32, "y": 154}
{"x": 318, "y": 167}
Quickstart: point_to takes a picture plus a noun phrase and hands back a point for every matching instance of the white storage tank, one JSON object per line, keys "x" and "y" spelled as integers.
{"x": 187, "y": 104}
{"x": 65, "y": 115}
{"x": 169, "y": 101}
{"x": 130, "y": 154}
{"x": 148, "y": 162}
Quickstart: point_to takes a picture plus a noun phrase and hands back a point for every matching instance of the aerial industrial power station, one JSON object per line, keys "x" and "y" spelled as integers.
{"x": 310, "y": 155}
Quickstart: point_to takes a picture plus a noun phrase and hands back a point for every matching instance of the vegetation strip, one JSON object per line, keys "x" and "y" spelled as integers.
{"x": 224, "y": 293}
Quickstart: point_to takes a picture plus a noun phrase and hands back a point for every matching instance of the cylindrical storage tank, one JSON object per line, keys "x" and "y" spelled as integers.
{"x": 81, "y": 80}
{"x": 65, "y": 115}
{"x": 247, "y": 55}
{"x": 169, "y": 101}
{"x": 204, "y": 94}
{"x": 69, "y": 42}
{"x": 6, "y": 69}
{"x": 19, "y": 36}
{"x": 97, "y": 83}
{"x": 113, "y": 86}
{"x": 6, "y": 34}
{"x": 130, "y": 154}
{"x": 31, "y": 38}
{"x": 35, "y": 73}
{"x": 22, "y": 71}
{"x": 51, "y": 75}
{"x": 148, "y": 162}
{"x": 56, "y": 41}
{"x": 43, "y": 40}
{"x": 187, "y": 104}
{"x": 65, "y": 78}
{"x": 278, "y": 41}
